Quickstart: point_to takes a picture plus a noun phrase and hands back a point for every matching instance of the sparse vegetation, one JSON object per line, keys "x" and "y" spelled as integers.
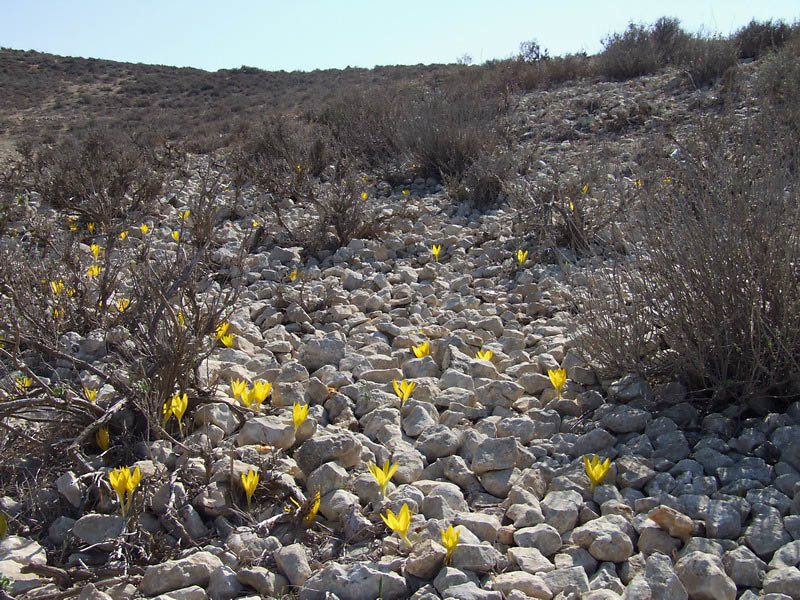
{"x": 143, "y": 206}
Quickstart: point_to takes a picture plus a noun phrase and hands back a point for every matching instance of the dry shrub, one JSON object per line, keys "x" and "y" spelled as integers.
{"x": 445, "y": 132}
{"x": 287, "y": 160}
{"x": 365, "y": 125}
{"x": 757, "y": 38}
{"x": 151, "y": 311}
{"x": 711, "y": 296}
{"x": 628, "y": 54}
{"x": 707, "y": 59}
{"x": 572, "y": 211}
{"x": 100, "y": 175}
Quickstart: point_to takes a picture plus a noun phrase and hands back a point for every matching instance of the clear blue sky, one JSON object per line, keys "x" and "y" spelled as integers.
{"x": 320, "y": 34}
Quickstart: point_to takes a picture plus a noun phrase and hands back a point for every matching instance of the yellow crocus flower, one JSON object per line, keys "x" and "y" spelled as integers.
{"x": 299, "y": 414}
{"x": 558, "y": 377}
{"x": 222, "y": 329}
{"x": 450, "y": 541}
{"x": 485, "y": 354}
{"x": 422, "y": 350}
{"x": 382, "y": 475}
{"x": 249, "y": 483}
{"x": 238, "y": 387}
{"x": 403, "y": 389}
{"x": 399, "y": 523}
{"x": 596, "y": 470}
{"x": 261, "y": 389}
{"x": 102, "y": 438}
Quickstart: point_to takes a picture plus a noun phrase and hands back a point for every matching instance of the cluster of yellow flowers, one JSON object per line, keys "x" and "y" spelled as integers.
{"x": 222, "y": 335}
{"x": 421, "y": 350}
{"x": 307, "y": 511}
{"x": 251, "y": 397}
{"x": 124, "y": 482}
{"x": 175, "y": 406}
{"x": 403, "y": 389}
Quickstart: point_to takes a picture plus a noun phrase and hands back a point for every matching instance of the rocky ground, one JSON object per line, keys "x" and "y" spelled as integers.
{"x": 694, "y": 506}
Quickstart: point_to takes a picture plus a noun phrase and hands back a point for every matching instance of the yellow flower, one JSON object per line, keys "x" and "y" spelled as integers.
{"x": 382, "y": 475}
{"x": 185, "y": 214}
{"x": 124, "y": 482}
{"x": 57, "y": 286}
{"x": 558, "y": 377}
{"x": 571, "y": 206}
{"x": 638, "y": 183}
{"x": 227, "y": 340}
{"x": 585, "y": 188}
{"x": 144, "y": 228}
{"x": 23, "y": 383}
{"x": 179, "y": 404}
{"x": 403, "y": 389}
{"x": 261, "y": 389}
{"x": 91, "y": 394}
{"x": 222, "y": 329}
{"x": 249, "y": 483}
{"x": 595, "y": 469}
{"x": 522, "y": 256}
{"x": 310, "y": 507}
{"x": 313, "y": 509}
{"x": 58, "y": 313}
{"x": 119, "y": 481}
{"x": 238, "y": 387}
{"x": 102, "y": 438}
{"x": 436, "y": 250}
{"x": 247, "y": 396}
{"x": 73, "y": 226}
{"x": 485, "y": 354}
{"x": 422, "y": 350}
{"x": 364, "y": 195}
{"x": 299, "y": 414}
{"x": 123, "y": 304}
{"x": 90, "y": 227}
{"x": 293, "y": 275}
{"x": 94, "y": 271}
{"x": 180, "y": 318}
{"x": 95, "y": 250}
{"x": 450, "y": 541}
{"x": 123, "y": 235}
{"x": 399, "y": 523}
{"x": 255, "y": 223}
{"x": 176, "y": 235}
{"x": 405, "y": 192}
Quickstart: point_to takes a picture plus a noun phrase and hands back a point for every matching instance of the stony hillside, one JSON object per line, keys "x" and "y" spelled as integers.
{"x": 309, "y": 422}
